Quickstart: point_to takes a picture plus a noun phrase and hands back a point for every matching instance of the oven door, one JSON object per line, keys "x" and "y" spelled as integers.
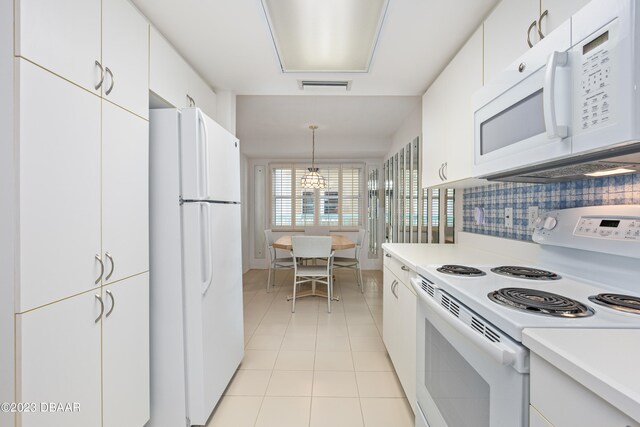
{"x": 522, "y": 117}
{"x": 465, "y": 379}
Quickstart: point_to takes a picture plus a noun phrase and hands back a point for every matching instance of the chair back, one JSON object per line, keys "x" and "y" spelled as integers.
{"x": 311, "y": 246}
{"x": 316, "y": 231}
{"x": 268, "y": 236}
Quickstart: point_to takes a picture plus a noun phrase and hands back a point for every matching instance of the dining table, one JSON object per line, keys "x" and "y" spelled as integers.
{"x": 338, "y": 243}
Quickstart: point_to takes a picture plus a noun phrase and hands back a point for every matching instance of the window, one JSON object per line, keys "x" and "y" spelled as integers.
{"x": 339, "y": 205}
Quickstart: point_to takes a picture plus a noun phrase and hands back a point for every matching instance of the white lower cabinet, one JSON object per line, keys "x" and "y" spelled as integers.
{"x": 399, "y": 330}
{"x": 58, "y": 361}
{"x": 91, "y": 353}
{"x": 125, "y": 353}
{"x": 550, "y": 406}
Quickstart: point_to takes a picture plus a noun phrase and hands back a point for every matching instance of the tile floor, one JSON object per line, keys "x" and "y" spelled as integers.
{"x": 313, "y": 368}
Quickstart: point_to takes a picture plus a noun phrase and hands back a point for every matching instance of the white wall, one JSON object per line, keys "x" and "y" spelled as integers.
{"x": 8, "y": 202}
{"x": 226, "y": 111}
{"x": 410, "y": 128}
{"x": 248, "y": 241}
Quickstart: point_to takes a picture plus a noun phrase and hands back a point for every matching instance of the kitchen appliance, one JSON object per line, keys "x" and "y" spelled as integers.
{"x": 569, "y": 106}
{"x": 472, "y": 369}
{"x": 197, "y": 334}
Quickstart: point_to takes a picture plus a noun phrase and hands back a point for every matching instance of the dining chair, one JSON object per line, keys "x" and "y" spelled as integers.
{"x": 312, "y": 247}
{"x": 353, "y": 263}
{"x": 275, "y": 263}
{"x": 316, "y": 231}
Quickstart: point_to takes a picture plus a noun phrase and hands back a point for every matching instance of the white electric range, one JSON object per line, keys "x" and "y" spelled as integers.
{"x": 472, "y": 368}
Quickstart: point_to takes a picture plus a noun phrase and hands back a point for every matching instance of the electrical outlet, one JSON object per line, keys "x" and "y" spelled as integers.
{"x": 508, "y": 217}
{"x": 532, "y": 214}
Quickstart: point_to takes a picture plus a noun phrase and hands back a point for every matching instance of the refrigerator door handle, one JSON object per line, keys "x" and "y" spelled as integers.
{"x": 204, "y": 157}
{"x": 207, "y": 234}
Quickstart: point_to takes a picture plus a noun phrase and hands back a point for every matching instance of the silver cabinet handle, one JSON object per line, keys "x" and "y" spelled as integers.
{"x": 544, "y": 14}
{"x": 444, "y": 170}
{"x": 531, "y": 27}
{"x": 387, "y": 255}
{"x": 113, "y": 265}
{"x": 113, "y": 303}
{"x": 101, "y": 269}
{"x": 99, "y": 65}
{"x": 393, "y": 286}
{"x": 440, "y": 172}
{"x": 192, "y": 102}
{"x": 113, "y": 81}
{"x": 405, "y": 268}
{"x": 99, "y": 298}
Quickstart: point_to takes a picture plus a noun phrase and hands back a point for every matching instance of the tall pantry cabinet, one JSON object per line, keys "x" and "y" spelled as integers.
{"x": 80, "y": 232}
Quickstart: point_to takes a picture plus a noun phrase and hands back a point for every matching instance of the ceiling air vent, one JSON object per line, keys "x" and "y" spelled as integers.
{"x": 324, "y": 85}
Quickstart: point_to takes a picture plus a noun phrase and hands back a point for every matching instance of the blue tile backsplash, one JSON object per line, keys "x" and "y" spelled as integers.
{"x": 494, "y": 198}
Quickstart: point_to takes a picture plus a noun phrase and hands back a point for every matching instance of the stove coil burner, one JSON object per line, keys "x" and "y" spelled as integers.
{"x": 525, "y": 273}
{"x": 461, "y": 270}
{"x": 627, "y": 303}
{"x": 539, "y": 302}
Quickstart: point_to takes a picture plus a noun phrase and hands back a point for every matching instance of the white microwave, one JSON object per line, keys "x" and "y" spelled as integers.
{"x": 570, "y": 105}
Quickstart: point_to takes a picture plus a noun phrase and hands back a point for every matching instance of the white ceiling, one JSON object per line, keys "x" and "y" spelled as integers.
{"x": 354, "y": 127}
{"x": 228, "y": 42}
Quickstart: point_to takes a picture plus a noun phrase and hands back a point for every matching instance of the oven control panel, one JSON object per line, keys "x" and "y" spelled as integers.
{"x": 608, "y": 228}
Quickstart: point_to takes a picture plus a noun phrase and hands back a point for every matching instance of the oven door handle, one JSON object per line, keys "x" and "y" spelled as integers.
{"x": 497, "y": 350}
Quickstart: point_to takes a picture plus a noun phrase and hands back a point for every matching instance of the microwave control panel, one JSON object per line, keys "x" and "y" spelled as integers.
{"x": 609, "y": 228}
{"x": 595, "y": 99}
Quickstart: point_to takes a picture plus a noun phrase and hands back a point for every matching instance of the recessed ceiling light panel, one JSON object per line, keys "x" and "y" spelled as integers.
{"x": 325, "y": 35}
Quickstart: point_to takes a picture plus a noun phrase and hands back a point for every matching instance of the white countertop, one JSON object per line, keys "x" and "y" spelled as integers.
{"x": 603, "y": 360}
{"x": 415, "y": 254}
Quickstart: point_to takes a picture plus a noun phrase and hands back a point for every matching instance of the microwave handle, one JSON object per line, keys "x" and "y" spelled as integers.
{"x": 556, "y": 59}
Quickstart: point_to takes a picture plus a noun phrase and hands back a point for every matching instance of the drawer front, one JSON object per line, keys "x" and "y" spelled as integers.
{"x": 398, "y": 268}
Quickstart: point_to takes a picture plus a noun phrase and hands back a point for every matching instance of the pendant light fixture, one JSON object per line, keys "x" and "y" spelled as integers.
{"x": 312, "y": 179}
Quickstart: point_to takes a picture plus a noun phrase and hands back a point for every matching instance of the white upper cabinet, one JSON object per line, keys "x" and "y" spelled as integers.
{"x": 514, "y": 23}
{"x": 125, "y": 193}
{"x": 558, "y": 12}
{"x": 125, "y": 53}
{"x": 506, "y": 31}
{"x": 102, "y": 46}
{"x": 62, "y": 36}
{"x": 59, "y": 155}
{"x": 173, "y": 80}
{"x": 125, "y": 353}
{"x": 447, "y": 121}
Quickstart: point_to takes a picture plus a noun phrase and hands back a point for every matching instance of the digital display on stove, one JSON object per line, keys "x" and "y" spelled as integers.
{"x": 613, "y": 223}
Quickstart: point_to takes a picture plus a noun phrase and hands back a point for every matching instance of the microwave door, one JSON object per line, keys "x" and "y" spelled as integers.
{"x": 523, "y": 117}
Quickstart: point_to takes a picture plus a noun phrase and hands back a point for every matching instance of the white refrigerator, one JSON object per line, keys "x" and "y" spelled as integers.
{"x": 195, "y": 265}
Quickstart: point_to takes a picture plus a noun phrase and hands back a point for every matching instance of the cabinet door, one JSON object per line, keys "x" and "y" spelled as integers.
{"x": 58, "y": 360}
{"x": 407, "y": 339}
{"x": 59, "y": 155}
{"x": 125, "y": 353}
{"x": 62, "y": 36}
{"x": 168, "y": 72}
{"x": 464, "y": 75}
{"x": 125, "y": 193}
{"x": 125, "y": 51}
{"x": 390, "y": 313}
{"x": 536, "y": 419}
{"x": 434, "y": 107}
{"x": 559, "y": 11}
{"x": 505, "y": 34}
